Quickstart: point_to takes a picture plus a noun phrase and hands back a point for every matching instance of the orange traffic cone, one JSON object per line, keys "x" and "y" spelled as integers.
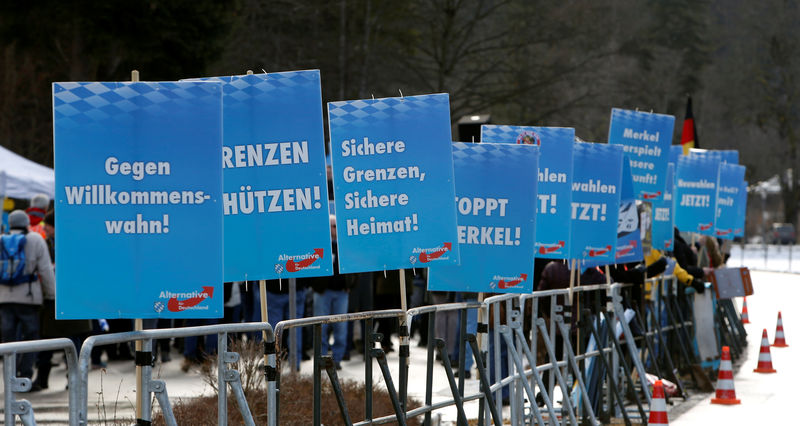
{"x": 658, "y": 406}
{"x": 764, "y": 357}
{"x": 780, "y": 339}
{"x": 745, "y": 317}
{"x": 726, "y": 394}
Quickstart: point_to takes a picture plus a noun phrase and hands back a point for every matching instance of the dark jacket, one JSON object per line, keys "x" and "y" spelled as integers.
{"x": 686, "y": 257}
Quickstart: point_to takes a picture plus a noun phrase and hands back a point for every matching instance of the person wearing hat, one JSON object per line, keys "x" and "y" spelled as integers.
{"x": 20, "y": 303}
{"x": 36, "y": 213}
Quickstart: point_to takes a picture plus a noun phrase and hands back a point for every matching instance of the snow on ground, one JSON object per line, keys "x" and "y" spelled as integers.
{"x": 766, "y": 258}
{"x": 766, "y": 398}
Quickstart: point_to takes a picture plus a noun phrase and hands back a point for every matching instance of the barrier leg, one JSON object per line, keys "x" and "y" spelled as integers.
{"x": 495, "y": 336}
{"x": 462, "y": 338}
{"x": 448, "y": 369}
{"x": 618, "y": 346}
{"x": 271, "y": 373}
{"x": 577, "y": 372}
{"x": 637, "y": 363}
{"x": 506, "y": 333}
{"x": 233, "y": 378}
{"x": 146, "y": 377}
{"x": 484, "y": 379}
{"x": 429, "y": 367}
{"x": 378, "y": 354}
{"x": 12, "y": 384}
{"x": 725, "y": 334}
{"x": 677, "y": 329}
{"x": 317, "y": 380}
{"x": 735, "y": 321}
{"x": 222, "y": 388}
{"x": 637, "y": 317}
{"x": 26, "y": 413}
{"x": 368, "y": 346}
{"x": 159, "y": 388}
{"x": 668, "y": 358}
{"x": 548, "y": 344}
{"x": 586, "y": 319}
{"x": 548, "y": 402}
{"x": 404, "y": 354}
{"x": 327, "y": 361}
{"x": 682, "y": 328}
{"x": 736, "y": 337}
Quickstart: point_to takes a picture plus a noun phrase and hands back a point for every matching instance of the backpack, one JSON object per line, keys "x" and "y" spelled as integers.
{"x": 12, "y": 260}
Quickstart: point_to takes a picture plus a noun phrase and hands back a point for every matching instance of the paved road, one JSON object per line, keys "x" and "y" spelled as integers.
{"x": 766, "y": 398}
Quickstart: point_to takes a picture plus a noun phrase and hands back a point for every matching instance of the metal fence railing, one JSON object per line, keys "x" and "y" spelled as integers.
{"x": 13, "y": 384}
{"x": 552, "y": 361}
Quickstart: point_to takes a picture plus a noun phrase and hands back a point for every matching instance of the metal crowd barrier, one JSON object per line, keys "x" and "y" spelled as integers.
{"x": 565, "y": 363}
{"x": 225, "y": 375}
{"x": 78, "y": 372}
{"x": 13, "y": 384}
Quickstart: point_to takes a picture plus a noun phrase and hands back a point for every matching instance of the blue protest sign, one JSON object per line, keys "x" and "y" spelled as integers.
{"x": 596, "y": 188}
{"x": 555, "y": 180}
{"x": 275, "y": 191}
{"x": 629, "y": 239}
{"x": 728, "y": 199}
{"x": 139, "y": 199}
{"x": 730, "y": 156}
{"x": 741, "y": 213}
{"x": 393, "y": 182}
{"x": 675, "y": 152}
{"x": 724, "y": 155}
{"x": 696, "y": 193}
{"x": 645, "y": 138}
{"x": 496, "y": 201}
{"x": 663, "y": 214}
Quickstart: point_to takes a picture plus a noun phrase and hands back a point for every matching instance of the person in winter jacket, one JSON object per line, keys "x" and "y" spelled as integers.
{"x": 20, "y": 303}
{"x": 685, "y": 256}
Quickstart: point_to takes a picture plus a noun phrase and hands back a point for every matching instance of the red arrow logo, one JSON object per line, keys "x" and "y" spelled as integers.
{"x": 723, "y": 232}
{"x": 504, "y": 285}
{"x": 425, "y": 257}
{"x": 293, "y": 266}
{"x": 705, "y": 227}
{"x": 622, "y": 251}
{"x": 175, "y": 305}
{"x": 593, "y": 252}
{"x": 650, "y": 196}
{"x": 668, "y": 244}
{"x": 551, "y": 249}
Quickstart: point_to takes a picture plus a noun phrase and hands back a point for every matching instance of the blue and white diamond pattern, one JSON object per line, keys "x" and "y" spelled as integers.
{"x": 645, "y": 119}
{"x": 246, "y": 87}
{"x": 499, "y": 155}
{"x": 509, "y": 134}
{"x": 366, "y": 112}
{"x": 82, "y": 103}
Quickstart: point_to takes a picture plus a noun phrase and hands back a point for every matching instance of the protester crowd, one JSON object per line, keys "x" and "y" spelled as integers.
{"x": 27, "y": 299}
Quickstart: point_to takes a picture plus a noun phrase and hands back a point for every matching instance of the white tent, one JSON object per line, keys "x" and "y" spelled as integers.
{"x": 22, "y": 178}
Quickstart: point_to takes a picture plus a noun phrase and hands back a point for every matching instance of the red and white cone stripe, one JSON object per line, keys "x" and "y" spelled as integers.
{"x": 658, "y": 406}
{"x": 745, "y": 316}
{"x": 726, "y": 394}
{"x": 764, "y": 356}
{"x": 780, "y": 339}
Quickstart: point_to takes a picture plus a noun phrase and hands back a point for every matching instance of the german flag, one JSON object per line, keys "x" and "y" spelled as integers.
{"x": 689, "y": 133}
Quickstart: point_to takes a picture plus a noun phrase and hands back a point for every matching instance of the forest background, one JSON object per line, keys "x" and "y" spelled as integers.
{"x": 537, "y": 62}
